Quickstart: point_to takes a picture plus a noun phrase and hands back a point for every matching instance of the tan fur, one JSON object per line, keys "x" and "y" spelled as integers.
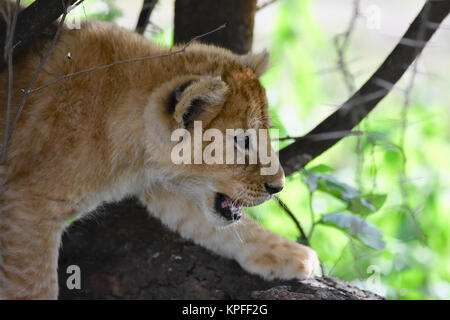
{"x": 103, "y": 135}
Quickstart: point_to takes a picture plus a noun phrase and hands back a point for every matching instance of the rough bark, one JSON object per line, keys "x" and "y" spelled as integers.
{"x": 123, "y": 253}
{"x": 144, "y": 16}
{"x": 194, "y": 17}
{"x": 33, "y": 23}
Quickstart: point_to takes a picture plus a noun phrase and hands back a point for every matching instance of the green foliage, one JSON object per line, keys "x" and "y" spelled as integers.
{"x": 390, "y": 218}
{"x": 355, "y": 202}
{"x": 356, "y": 227}
{"x": 164, "y": 37}
{"x": 350, "y": 218}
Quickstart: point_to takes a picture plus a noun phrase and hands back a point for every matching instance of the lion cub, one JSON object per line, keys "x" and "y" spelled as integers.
{"x": 103, "y": 135}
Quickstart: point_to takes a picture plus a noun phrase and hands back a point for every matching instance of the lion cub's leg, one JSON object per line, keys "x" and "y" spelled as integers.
{"x": 30, "y": 235}
{"x": 257, "y": 249}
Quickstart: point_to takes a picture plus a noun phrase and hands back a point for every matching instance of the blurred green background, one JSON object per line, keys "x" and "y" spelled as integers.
{"x": 375, "y": 207}
{"x": 403, "y": 153}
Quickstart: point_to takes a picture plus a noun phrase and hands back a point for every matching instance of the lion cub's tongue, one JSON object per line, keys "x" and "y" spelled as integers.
{"x": 236, "y": 210}
{"x": 228, "y": 203}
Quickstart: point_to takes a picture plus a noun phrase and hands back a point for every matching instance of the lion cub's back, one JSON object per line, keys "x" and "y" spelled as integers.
{"x": 78, "y": 105}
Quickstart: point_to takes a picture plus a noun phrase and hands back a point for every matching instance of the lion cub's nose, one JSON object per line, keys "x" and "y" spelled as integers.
{"x": 272, "y": 188}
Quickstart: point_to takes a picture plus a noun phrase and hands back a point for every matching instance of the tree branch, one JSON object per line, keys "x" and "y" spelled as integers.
{"x": 298, "y": 154}
{"x": 125, "y": 254}
{"x": 9, "y": 127}
{"x": 9, "y": 51}
{"x": 196, "y": 16}
{"x": 144, "y": 16}
{"x": 266, "y": 4}
{"x": 29, "y": 90}
{"x": 303, "y": 235}
{"x": 119, "y": 62}
{"x": 31, "y": 22}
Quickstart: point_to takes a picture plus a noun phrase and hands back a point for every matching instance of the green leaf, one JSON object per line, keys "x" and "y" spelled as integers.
{"x": 351, "y": 196}
{"x": 356, "y": 227}
{"x": 368, "y": 204}
{"x": 311, "y": 181}
{"x": 377, "y": 199}
{"x": 320, "y": 168}
{"x": 340, "y": 190}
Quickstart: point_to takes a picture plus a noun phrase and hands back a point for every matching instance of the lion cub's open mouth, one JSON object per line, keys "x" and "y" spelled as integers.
{"x": 227, "y": 208}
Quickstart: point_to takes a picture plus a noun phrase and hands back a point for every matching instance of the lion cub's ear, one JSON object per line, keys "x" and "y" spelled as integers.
{"x": 197, "y": 100}
{"x": 259, "y": 63}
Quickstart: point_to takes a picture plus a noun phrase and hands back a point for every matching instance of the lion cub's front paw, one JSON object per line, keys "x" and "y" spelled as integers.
{"x": 284, "y": 260}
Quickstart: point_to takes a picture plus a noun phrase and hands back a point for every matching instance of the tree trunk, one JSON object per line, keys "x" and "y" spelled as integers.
{"x": 33, "y": 23}
{"x": 194, "y": 17}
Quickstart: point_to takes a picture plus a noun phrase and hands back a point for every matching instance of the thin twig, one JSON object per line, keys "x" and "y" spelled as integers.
{"x": 144, "y": 16}
{"x": 36, "y": 74}
{"x": 403, "y": 126}
{"x": 331, "y": 272}
{"x": 303, "y": 235}
{"x": 367, "y": 97}
{"x": 28, "y": 91}
{"x": 9, "y": 49}
{"x": 349, "y": 79}
{"x": 324, "y": 136}
{"x": 32, "y": 23}
{"x": 341, "y": 43}
{"x": 266, "y": 4}
{"x": 311, "y": 213}
{"x": 97, "y": 68}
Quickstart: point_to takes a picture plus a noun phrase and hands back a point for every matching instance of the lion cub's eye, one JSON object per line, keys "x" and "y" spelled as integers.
{"x": 242, "y": 142}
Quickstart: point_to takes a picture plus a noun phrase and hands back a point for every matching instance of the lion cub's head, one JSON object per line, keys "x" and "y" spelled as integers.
{"x": 211, "y": 124}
